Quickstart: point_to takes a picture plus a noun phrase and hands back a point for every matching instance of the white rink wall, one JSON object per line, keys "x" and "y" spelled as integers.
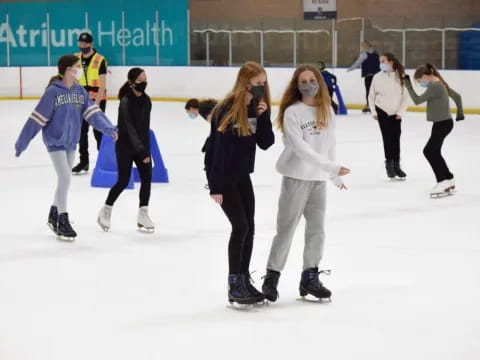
{"x": 184, "y": 82}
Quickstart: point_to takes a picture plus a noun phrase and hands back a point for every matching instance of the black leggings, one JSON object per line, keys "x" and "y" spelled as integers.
{"x": 83, "y": 143}
{"x": 125, "y": 160}
{"x": 433, "y": 149}
{"x": 391, "y": 130}
{"x": 368, "y": 85}
{"x": 239, "y": 206}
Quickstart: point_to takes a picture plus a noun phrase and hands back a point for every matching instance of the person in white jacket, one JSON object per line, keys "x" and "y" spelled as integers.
{"x": 307, "y": 162}
{"x": 388, "y": 102}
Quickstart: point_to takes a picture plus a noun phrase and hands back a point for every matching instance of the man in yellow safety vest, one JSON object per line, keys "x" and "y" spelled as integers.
{"x": 94, "y": 80}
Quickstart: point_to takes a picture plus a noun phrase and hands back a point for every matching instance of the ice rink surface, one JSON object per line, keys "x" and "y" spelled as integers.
{"x": 405, "y": 268}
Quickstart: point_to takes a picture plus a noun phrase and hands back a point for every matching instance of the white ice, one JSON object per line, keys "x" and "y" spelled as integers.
{"x": 405, "y": 268}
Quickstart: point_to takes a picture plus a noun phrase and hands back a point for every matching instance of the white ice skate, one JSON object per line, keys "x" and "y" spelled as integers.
{"x": 144, "y": 222}
{"x": 443, "y": 188}
{"x": 104, "y": 217}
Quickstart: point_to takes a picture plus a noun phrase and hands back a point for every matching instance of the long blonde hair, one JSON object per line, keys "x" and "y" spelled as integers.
{"x": 292, "y": 95}
{"x": 238, "y": 114}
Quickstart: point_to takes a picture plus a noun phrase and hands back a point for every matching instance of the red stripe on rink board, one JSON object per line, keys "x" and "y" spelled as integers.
{"x": 21, "y": 82}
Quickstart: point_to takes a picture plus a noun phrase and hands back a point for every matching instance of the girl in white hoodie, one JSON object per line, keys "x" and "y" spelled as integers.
{"x": 307, "y": 162}
{"x": 388, "y": 102}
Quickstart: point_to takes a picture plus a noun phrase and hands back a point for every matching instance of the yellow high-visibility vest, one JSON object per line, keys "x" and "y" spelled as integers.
{"x": 93, "y": 77}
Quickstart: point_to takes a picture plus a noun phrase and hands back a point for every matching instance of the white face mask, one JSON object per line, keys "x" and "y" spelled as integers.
{"x": 77, "y": 73}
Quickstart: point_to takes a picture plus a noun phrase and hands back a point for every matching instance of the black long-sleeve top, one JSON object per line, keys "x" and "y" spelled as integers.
{"x": 134, "y": 124}
{"x": 230, "y": 156}
{"x": 206, "y": 107}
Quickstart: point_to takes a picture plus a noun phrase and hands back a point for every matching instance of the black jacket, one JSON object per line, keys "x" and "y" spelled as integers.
{"x": 134, "y": 124}
{"x": 229, "y": 156}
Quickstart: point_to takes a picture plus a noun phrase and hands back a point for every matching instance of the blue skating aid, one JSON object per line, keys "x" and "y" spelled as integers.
{"x": 159, "y": 172}
{"x": 342, "y": 109}
{"x": 105, "y": 173}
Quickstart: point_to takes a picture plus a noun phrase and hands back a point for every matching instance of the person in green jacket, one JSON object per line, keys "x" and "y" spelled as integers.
{"x": 437, "y": 96}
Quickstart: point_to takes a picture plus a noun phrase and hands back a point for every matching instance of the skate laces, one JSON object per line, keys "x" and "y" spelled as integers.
{"x": 249, "y": 276}
{"x": 316, "y": 279}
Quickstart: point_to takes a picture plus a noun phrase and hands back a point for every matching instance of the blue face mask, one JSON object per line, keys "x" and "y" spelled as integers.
{"x": 423, "y": 84}
{"x": 192, "y": 116}
{"x": 384, "y": 67}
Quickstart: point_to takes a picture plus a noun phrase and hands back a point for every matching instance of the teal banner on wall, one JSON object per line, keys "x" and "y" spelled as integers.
{"x": 147, "y": 32}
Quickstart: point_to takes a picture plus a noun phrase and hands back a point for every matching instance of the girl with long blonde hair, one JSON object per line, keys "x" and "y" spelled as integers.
{"x": 307, "y": 122}
{"x": 239, "y": 123}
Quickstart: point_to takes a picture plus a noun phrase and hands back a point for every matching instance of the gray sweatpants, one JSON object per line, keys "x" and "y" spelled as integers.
{"x": 62, "y": 162}
{"x": 297, "y": 198}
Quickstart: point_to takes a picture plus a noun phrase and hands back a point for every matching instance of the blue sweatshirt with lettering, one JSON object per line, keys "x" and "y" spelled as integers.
{"x": 59, "y": 115}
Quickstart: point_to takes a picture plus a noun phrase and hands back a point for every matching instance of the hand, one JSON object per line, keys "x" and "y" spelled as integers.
{"x": 343, "y": 171}
{"x": 375, "y": 117}
{"x": 460, "y": 117}
{"x": 398, "y": 117}
{"x": 115, "y": 136}
{"x": 342, "y": 187}
{"x": 146, "y": 160}
{"x": 218, "y": 198}
{"x": 262, "y": 107}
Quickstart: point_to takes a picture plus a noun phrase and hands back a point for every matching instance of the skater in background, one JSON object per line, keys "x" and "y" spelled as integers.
{"x": 306, "y": 163}
{"x": 195, "y": 107}
{"x": 437, "y": 96}
{"x": 369, "y": 62}
{"x": 331, "y": 82}
{"x": 204, "y": 108}
{"x": 388, "y": 102}
{"x": 239, "y": 124}
{"x": 59, "y": 115}
{"x": 94, "y": 80}
{"x": 133, "y": 146}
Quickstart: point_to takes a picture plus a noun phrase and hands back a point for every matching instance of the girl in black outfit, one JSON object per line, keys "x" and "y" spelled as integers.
{"x": 204, "y": 108}
{"x": 133, "y": 146}
{"x": 195, "y": 107}
{"x": 239, "y": 124}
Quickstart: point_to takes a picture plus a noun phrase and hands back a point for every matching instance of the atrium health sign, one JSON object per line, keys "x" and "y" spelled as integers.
{"x": 150, "y": 32}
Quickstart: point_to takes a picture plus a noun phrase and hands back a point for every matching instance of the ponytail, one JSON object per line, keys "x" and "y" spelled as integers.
{"x": 53, "y": 79}
{"x": 437, "y": 74}
{"x": 123, "y": 90}
{"x": 397, "y": 66}
{"x": 429, "y": 69}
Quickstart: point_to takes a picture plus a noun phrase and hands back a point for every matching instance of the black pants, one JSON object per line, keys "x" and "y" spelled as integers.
{"x": 433, "y": 149}
{"x": 83, "y": 144}
{"x": 125, "y": 160}
{"x": 391, "y": 129}
{"x": 368, "y": 85}
{"x": 239, "y": 206}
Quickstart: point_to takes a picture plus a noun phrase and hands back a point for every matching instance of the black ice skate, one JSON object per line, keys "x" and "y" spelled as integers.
{"x": 259, "y": 297}
{"x": 65, "y": 231}
{"x": 53, "y": 218}
{"x": 270, "y": 284}
{"x": 80, "y": 169}
{"x": 390, "y": 169}
{"x": 238, "y": 292}
{"x": 366, "y": 110}
{"x": 311, "y": 285}
{"x": 399, "y": 173}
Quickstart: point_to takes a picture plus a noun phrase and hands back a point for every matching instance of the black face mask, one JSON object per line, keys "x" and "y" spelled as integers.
{"x": 86, "y": 50}
{"x": 258, "y": 91}
{"x": 140, "y": 87}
